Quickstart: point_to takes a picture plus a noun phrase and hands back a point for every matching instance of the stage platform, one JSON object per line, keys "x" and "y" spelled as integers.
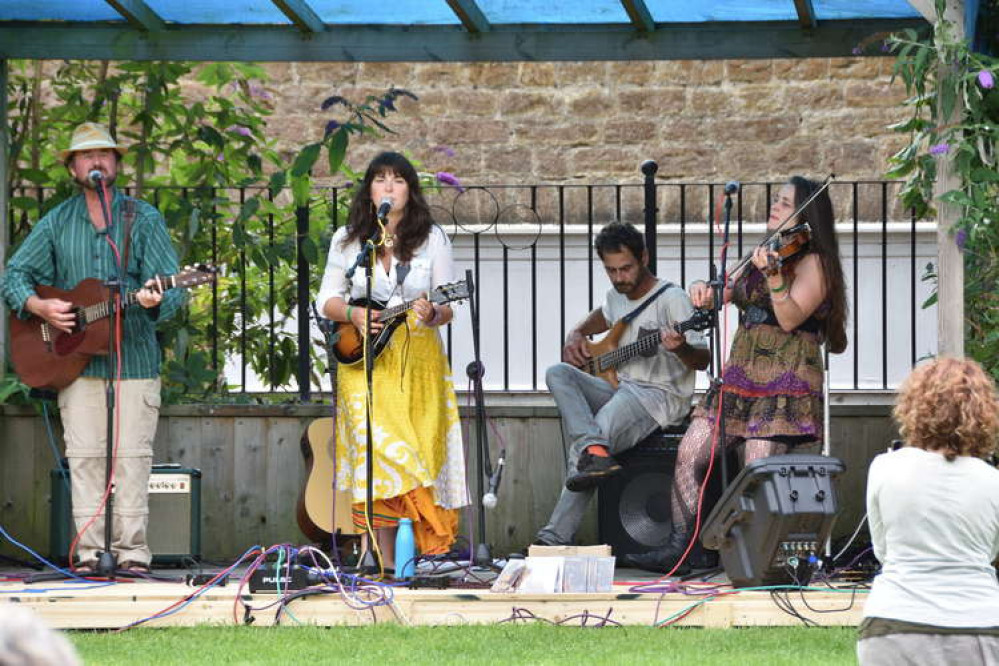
{"x": 74, "y": 605}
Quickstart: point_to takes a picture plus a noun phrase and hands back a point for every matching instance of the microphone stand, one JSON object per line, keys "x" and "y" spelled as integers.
{"x": 719, "y": 278}
{"x": 475, "y": 371}
{"x": 107, "y": 563}
{"x": 366, "y": 258}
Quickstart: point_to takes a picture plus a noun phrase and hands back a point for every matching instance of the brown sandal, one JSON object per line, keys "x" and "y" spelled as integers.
{"x": 139, "y": 568}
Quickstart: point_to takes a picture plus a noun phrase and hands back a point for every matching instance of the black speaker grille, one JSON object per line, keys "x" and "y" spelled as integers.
{"x": 644, "y": 508}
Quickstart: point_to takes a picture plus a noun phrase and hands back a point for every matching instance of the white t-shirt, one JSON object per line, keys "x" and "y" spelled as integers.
{"x": 935, "y": 529}
{"x": 662, "y": 383}
{"x": 431, "y": 266}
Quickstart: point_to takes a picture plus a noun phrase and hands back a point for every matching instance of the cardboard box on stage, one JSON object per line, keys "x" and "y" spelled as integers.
{"x": 174, "y": 514}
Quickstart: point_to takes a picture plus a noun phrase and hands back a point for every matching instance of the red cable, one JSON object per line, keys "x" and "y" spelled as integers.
{"x": 117, "y": 323}
{"x": 718, "y": 412}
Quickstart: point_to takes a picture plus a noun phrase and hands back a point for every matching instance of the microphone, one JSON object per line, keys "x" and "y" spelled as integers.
{"x": 95, "y": 177}
{"x": 732, "y": 186}
{"x": 489, "y": 499}
{"x": 384, "y": 208}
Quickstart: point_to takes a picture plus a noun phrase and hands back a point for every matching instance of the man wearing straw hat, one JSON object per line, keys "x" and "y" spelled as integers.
{"x": 75, "y": 241}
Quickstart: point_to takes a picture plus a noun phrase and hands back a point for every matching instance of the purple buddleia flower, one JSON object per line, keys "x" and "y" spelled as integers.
{"x": 449, "y": 179}
{"x": 388, "y": 103}
{"x": 986, "y": 80}
{"x": 885, "y": 46}
{"x": 447, "y": 152}
{"x": 857, "y": 50}
{"x": 939, "y": 148}
{"x": 961, "y": 237}
{"x": 258, "y": 91}
{"x": 239, "y": 129}
{"x": 330, "y": 101}
{"x": 331, "y": 127}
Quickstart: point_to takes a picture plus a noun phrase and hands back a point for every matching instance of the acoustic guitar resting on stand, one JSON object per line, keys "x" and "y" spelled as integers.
{"x": 45, "y": 357}
{"x": 606, "y": 356}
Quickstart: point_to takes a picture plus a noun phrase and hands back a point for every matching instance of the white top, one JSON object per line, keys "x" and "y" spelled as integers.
{"x": 935, "y": 529}
{"x": 662, "y": 383}
{"x": 431, "y": 266}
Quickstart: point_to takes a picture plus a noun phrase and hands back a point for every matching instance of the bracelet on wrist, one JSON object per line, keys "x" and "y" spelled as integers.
{"x": 777, "y": 290}
{"x": 350, "y": 308}
{"x": 783, "y": 297}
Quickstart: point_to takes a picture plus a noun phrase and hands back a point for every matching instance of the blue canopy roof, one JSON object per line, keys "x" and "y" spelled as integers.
{"x": 416, "y": 30}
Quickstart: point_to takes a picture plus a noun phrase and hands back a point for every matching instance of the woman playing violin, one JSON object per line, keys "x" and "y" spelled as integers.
{"x": 788, "y": 307}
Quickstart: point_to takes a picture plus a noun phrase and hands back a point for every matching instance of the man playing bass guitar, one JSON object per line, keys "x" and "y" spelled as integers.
{"x": 654, "y": 387}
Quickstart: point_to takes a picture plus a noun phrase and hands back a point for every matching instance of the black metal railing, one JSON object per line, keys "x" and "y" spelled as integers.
{"x": 534, "y": 242}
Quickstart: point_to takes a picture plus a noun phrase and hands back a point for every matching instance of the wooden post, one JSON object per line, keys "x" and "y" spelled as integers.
{"x": 4, "y": 203}
{"x": 950, "y": 260}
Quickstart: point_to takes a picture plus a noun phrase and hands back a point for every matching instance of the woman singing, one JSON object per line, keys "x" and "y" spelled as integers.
{"x": 418, "y": 458}
{"x": 773, "y": 379}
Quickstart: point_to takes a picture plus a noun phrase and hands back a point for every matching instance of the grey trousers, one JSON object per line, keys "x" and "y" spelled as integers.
{"x": 929, "y": 650}
{"x": 592, "y": 413}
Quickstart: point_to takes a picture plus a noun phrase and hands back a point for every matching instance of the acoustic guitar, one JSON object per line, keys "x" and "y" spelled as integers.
{"x": 318, "y": 516}
{"x": 606, "y": 356}
{"x": 349, "y": 346}
{"x": 45, "y": 357}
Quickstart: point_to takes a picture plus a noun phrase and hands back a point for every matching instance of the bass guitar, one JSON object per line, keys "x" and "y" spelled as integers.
{"x": 349, "y": 346}
{"x": 45, "y": 357}
{"x": 606, "y": 356}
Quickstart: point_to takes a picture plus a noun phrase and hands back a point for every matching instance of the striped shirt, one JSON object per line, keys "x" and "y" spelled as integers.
{"x": 64, "y": 248}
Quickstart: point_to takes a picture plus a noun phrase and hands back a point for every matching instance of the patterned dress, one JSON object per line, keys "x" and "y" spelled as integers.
{"x": 773, "y": 379}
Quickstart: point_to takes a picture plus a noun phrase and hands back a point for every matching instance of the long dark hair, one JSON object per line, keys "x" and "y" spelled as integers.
{"x": 819, "y": 215}
{"x": 416, "y": 223}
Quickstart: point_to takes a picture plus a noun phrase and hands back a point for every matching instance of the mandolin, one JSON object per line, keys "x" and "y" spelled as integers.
{"x": 349, "y": 346}
{"x": 606, "y": 356}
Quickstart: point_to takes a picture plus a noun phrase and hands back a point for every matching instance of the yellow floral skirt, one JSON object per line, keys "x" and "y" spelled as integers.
{"x": 419, "y": 466}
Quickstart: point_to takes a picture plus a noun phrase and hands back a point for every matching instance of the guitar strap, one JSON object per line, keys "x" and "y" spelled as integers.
{"x": 630, "y": 317}
{"x": 129, "y": 217}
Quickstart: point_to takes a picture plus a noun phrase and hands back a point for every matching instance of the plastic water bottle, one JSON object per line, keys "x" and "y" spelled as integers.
{"x": 405, "y": 549}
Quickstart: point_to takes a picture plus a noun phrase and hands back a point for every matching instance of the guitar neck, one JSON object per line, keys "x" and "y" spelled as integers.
{"x": 641, "y": 346}
{"x": 97, "y": 311}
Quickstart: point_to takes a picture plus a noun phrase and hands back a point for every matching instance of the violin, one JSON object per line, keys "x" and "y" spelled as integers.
{"x": 777, "y": 234}
{"x": 787, "y": 245}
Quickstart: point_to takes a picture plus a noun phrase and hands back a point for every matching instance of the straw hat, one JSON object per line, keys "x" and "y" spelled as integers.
{"x": 91, "y": 136}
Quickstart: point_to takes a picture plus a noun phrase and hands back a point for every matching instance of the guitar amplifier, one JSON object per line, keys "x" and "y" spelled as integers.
{"x": 174, "y": 533}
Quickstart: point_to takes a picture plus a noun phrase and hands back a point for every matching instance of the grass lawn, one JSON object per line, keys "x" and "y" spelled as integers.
{"x": 389, "y": 645}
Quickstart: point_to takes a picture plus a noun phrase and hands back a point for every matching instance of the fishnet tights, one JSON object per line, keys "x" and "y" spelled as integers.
{"x": 692, "y": 463}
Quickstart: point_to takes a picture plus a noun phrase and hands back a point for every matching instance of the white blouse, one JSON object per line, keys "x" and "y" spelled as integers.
{"x": 431, "y": 266}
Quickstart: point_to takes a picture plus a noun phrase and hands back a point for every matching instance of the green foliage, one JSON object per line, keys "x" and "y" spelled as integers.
{"x": 196, "y": 144}
{"x": 954, "y": 105}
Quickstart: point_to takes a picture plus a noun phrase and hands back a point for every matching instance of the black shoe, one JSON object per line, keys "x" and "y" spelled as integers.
{"x": 591, "y": 471}
{"x": 663, "y": 560}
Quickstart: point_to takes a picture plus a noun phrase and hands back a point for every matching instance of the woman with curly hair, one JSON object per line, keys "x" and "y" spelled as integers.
{"x": 418, "y": 457}
{"x": 933, "y": 507}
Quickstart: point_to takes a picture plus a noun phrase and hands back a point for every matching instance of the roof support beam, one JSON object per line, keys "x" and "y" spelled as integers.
{"x": 139, "y": 14}
{"x": 639, "y": 14}
{"x": 4, "y": 212}
{"x": 806, "y": 13}
{"x": 301, "y": 14}
{"x": 470, "y": 15}
{"x": 832, "y": 38}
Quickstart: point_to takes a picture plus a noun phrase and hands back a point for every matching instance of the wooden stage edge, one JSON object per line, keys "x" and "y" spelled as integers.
{"x": 123, "y": 603}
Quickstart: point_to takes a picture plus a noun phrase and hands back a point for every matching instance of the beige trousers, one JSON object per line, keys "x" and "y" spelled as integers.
{"x": 84, "y": 420}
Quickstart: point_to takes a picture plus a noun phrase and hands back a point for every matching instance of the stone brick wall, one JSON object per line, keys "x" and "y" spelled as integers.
{"x": 596, "y": 122}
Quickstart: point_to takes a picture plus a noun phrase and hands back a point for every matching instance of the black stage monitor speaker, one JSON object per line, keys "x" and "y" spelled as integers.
{"x": 773, "y": 521}
{"x": 634, "y": 512}
{"x": 174, "y": 514}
